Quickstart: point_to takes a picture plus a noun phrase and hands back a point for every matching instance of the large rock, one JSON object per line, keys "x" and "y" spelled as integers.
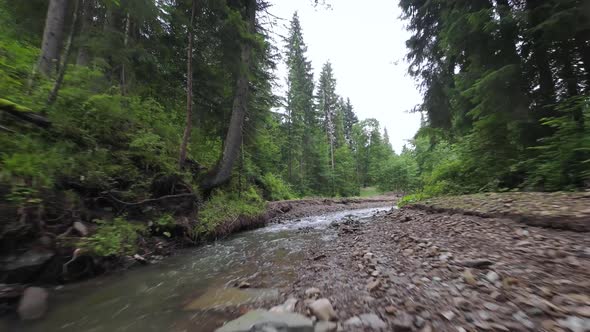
{"x": 25, "y": 267}
{"x": 288, "y": 306}
{"x": 262, "y": 320}
{"x": 323, "y": 310}
{"x": 372, "y": 321}
{"x": 33, "y": 303}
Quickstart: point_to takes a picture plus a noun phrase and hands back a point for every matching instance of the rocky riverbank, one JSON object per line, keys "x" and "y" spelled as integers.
{"x": 418, "y": 270}
{"x": 47, "y": 265}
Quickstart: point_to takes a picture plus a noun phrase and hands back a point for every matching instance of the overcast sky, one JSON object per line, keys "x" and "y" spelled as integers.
{"x": 365, "y": 42}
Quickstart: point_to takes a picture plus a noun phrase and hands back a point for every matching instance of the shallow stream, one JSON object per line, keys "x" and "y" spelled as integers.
{"x": 193, "y": 290}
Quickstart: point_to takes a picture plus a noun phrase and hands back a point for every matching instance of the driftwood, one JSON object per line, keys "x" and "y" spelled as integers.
{"x": 24, "y": 113}
{"x": 150, "y": 200}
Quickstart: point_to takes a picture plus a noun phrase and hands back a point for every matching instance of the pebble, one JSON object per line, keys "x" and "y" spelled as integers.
{"x": 353, "y": 322}
{"x": 492, "y": 277}
{"x": 403, "y": 322}
{"x": 372, "y": 321}
{"x": 448, "y": 315}
{"x": 491, "y": 306}
{"x": 323, "y": 310}
{"x": 312, "y": 292}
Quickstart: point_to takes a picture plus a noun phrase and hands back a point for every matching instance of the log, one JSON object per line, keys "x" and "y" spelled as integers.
{"x": 24, "y": 113}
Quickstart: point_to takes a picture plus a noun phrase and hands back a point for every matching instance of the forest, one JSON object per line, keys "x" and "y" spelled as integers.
{"x": 116, "y": 110}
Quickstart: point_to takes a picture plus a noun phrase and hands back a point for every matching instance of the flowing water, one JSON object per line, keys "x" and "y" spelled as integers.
{"x": 193, "y": 290}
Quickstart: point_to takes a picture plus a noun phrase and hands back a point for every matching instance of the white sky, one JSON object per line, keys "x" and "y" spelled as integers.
{"x": 365, "y": 42}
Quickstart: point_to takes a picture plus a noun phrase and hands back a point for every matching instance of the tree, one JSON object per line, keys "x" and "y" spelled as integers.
{"x": 52, "y": 37}
{"x": 327, "y": 103}
{"x": 233, "y": 140}
{"x": 189, "y": 87}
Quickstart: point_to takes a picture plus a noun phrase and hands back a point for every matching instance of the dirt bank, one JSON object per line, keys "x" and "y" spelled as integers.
{"x": 424, "y": 271}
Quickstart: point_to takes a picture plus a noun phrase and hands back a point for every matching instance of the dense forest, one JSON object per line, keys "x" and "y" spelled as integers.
{"x": 114, "y": 110}
{"x": 117, "y": 110}
{"x": 506, "y": 88}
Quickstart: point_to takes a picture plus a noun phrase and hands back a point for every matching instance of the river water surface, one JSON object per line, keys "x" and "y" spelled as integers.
{"x": 192, "y": 290}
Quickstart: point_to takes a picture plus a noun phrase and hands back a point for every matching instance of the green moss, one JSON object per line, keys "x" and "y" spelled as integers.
{"x": 224, "y": 207}
{"x": 117, "y": 237}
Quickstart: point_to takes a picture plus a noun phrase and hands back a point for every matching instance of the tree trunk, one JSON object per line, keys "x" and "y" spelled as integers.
{"x": 83, "y": 57}
{"x": 583, "y": 40}
{"x": 126, "y": 41}
{"x": 67, "y": 51}
{"x": 189, "y": 91}
{"x": 222, "y": 172}
{"x": 52, "y": 36}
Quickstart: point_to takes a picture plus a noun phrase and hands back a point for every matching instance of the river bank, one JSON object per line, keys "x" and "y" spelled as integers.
{"x": 422, "y": 270}
{"x": 48, "y": 266}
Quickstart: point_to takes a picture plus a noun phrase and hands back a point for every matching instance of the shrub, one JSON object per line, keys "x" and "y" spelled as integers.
{"x": 275, "y": 189}
{"x": 225, "y": 207}
{"x": 117, "y": 237}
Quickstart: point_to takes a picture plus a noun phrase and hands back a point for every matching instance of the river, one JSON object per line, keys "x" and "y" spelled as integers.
{"x": 193, "y": 290}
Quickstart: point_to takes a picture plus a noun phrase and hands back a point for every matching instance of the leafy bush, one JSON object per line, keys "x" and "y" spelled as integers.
{"x": 224, "y": 207}
{"x": 414, "y": 198}
{"x": 275, "y": 189}
{"x": 564, "y": 157}
{"x": 116, "y": 237}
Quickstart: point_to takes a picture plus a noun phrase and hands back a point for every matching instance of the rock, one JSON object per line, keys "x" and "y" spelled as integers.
{"x": 408, "y": 252}
{"x": 288, "y": 306}
{"x": 324, "y": 326}
{"x": 448, "y": 315}
{"x": 19, "y": 268}
{"x": 353, "y": 322}
{"x": 469, "y": 278}
{"x": 403, "y": 322}
{"x": 523, "y": 319}
{"x": 373, "y": 285}
{"x": 391, "y": 310}
{"x": 491, "y": 306}
{"x": 477, "y": 263}
{"x": 483, "y": 315}
{"x": 312, "y": 292}
{"x": 323, "y": 310}
{"x": 81, "y": 228}
{"x": 419, "y": 321}
{"x": 243, "y": 284}
{"x": 461, "y": 303}
{"x": 372, "y": 321}
{"x": 445, "y": 256}
{"x": 258, "y": 320}
{"x": 33, "y": 303}
{"x": 575, "y": 324}
{"x": 140, "y": 259}
{"x": 583, "y": 311}
{"x": 492, "y": 277}
{"x": 427, "y": 328}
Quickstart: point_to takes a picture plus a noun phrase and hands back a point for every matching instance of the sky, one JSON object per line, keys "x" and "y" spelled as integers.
{"x": 365, "y": 42}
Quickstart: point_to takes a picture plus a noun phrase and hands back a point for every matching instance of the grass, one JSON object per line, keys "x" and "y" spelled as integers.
{"x": 370, "y": 192}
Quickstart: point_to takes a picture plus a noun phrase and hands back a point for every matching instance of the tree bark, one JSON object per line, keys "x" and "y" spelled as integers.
{"x": 83, "y": 57}
{"x": 189, "y": 92}
{"x": 52, "y": 36}
{"x": 126, "y": 42}
{"x": 67, "y": 51}
{"x": 222, "y": 172}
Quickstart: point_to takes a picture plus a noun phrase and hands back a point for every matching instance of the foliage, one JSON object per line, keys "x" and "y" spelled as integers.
{"x": 227, "y": 207}
{"x": 275, "y": 188}
{"x": 505, "y": 88}
{"x": 413, "y": 198}
{"x": 117, "y": 237}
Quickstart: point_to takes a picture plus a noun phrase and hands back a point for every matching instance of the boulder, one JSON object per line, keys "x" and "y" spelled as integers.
{"x": 25, "y": 267}
{"x": 372, "y": 321}
{"x": 33, "y": 303}
{"x": 262, "y": 320}
{"x": 288, "y": 306}
{"x": 323, "y": 310}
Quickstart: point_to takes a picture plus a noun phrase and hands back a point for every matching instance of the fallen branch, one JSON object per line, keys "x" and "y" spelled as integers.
{"x": 24, "y": 113}
{"x": 150, "y": 200}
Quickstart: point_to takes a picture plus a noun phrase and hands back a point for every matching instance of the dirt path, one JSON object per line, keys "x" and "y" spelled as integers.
{"x": 424, "y": 271}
